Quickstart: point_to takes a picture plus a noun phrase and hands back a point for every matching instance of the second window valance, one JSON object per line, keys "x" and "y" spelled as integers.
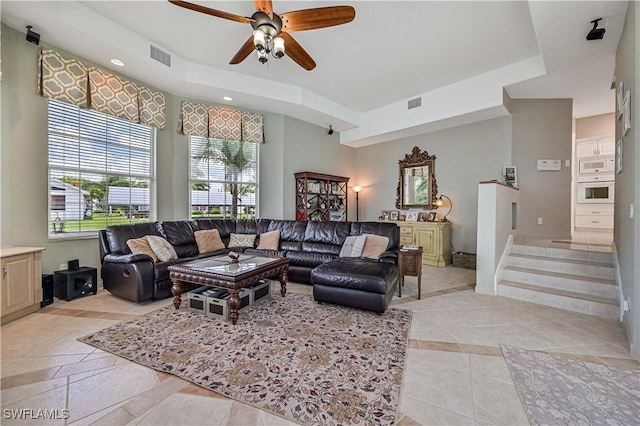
{"x": 220, "y": 123}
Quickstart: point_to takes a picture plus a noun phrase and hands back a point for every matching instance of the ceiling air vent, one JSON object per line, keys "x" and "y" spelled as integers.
{"x": 414, "y": 103}
{"x": 160, "y": 56}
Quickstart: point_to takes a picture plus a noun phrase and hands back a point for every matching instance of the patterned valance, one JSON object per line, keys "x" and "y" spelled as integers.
{"x": 112, "y": 95}
{"x": 62, "y": 79}
{"x": 68, "y": 80}
{"x": 220, "y": 123}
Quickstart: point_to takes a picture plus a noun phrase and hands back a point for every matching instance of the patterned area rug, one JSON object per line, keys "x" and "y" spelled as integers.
{"x": 559, "y": 391}
{"x": 309, "y": 363}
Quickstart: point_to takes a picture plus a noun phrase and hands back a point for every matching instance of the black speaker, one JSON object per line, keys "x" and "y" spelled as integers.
{"x": 47, "y": 290}
{"x": 73, "y": 265}
{"x": 32, "y": 36}
{"x": 71, "y": 284}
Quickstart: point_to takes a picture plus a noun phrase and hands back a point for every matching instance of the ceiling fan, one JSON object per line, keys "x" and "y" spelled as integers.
{"x": 271, "y": 31}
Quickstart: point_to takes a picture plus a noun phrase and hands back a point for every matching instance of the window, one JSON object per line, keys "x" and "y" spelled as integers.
{"x": 101, "y": 171}
{"x": 223, "y": 178}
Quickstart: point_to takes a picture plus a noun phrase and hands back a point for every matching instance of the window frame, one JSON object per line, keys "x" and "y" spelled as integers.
{"x": 139, "y": 139}
{"x": 226, "y": 214}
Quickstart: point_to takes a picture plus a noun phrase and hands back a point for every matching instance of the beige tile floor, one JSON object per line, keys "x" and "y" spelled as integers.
{"x": 454, "y": 374}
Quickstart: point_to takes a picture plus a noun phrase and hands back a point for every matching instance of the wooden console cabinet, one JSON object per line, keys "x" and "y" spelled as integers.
{"x": 21, "y": 282}
{"x": 433, "y": 237}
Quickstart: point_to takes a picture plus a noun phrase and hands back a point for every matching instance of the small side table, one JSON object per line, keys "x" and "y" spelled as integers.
{"x": 410, "y": 263}
{"x": 69, "y": 284}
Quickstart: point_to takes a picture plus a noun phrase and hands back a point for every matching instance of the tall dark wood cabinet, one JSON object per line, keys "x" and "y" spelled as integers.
{"x": 321, "y": 197}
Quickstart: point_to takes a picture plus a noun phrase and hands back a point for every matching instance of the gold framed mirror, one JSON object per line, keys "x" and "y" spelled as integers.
{"x": 417, "y": 186}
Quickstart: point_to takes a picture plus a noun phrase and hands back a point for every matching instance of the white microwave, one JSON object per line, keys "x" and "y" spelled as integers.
{"x": 594, "y": 166}
{"x": 597, "y": 192}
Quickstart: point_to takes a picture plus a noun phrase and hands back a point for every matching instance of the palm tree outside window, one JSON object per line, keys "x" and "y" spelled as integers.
{"x": 223, "y": 178}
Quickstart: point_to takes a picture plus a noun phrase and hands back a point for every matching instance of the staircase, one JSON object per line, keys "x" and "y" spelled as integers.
{"x": 574, "y": 280}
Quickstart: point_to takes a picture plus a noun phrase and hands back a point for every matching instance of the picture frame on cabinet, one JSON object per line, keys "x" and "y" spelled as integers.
{"x": 619, "y": 156}
{"x": 510, "y": 175}
{"x": 394, "y": 215}
{"x": 422, "y": 217}
{"x": 412, "y": 216}
{"x": 619, "y": 99}
{"x": 431, "y": 217}
{"x": 626, "y": 113}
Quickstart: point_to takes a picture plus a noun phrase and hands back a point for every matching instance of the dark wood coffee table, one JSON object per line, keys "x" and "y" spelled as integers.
{"x": 220, "y": 272}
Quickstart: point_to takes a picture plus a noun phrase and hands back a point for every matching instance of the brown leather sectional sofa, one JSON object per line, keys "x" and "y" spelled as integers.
{"x": 361, "y": 283}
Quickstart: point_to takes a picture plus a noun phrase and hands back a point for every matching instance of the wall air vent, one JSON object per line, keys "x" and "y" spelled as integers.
{"x": 414, "y": 103}
{"x": 160, "y": 56}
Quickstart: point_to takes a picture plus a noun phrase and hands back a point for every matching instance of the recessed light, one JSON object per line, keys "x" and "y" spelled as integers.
{"x": 227, "y": 98}
{"x": 117, "y": 62}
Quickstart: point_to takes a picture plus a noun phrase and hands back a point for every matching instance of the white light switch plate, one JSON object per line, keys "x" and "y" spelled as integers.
{"x": 567, "y": 163}
{"x": 631, "y": 212}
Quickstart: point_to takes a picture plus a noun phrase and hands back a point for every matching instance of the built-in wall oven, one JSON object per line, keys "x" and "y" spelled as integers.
{"x": 596, "y": 189}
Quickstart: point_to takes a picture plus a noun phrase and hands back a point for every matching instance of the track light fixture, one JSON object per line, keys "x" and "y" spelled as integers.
{"x": 330, "y": 129}
{"x": 596, "y": 33}
{"x": 32, "y": 36}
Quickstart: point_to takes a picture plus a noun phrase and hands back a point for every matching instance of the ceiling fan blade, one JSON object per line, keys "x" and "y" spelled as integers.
{"x": 321, "y": 17}
{"x": 212, "y": 12}
{"x": 244, "y": 51}
{"x": 297, "y": 53}
{"x": 264, "y": 6}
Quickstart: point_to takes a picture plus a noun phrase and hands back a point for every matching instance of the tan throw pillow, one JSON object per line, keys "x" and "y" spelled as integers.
{"x": 208, "y": 240}
{"x": 374, "y": 246}
{"x": 141, "y": 246}
{"x": 241, "y": 240}
{"x": 269, "y": 240}
{"x": 162, "y": 248}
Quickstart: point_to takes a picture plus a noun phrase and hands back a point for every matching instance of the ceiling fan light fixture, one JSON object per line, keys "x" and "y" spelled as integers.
{"x": 259, "y": 40}
{"x": 278, "y": 47}
{"x": 262, "y": 56}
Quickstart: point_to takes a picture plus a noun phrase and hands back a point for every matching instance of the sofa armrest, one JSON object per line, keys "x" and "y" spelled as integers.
{"x": 130, "y": 276}
{"x": 389, "y": 256}
{"x": 127, "y": 258}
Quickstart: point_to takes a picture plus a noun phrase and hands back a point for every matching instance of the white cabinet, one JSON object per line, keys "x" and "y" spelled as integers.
{"x": 594, "y": 216}
{"x": 21, "y": 282}
{"x": 433, "y": 237}
{"x": 595, "y": 147}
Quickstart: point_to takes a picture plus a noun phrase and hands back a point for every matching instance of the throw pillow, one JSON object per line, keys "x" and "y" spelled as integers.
{"x": 208, "y": 240}
{"x": 141, "y": 246}
{"x": 374, "y": 246}
{"x": 353, "y": 246}
{"x": 162, "y": 248}
{"x": 269, "y": 240}
{"x": 241, "y": 240}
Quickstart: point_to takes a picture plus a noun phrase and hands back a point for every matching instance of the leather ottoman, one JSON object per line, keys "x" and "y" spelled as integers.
{"x": 354, "y": 282}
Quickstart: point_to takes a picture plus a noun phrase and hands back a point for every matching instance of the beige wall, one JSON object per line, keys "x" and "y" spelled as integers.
{"x": 465, "y": 155}
{"x": 597, "y": 125}
{"x": 542, "y": 129}
{"x": 309, "y": 148}
{"x": 626, "y": 231}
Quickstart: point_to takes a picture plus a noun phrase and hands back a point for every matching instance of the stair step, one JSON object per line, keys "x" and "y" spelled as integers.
{"x": 594, "y": 269}
{"x": 570, "y": 282}
{"x": 563, "y": 253}
{"x": 603, "y": 307}
{"x": 602, "y": 281}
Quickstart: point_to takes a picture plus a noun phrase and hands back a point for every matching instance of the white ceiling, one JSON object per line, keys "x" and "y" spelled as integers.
{"x": 457, "y": 56}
